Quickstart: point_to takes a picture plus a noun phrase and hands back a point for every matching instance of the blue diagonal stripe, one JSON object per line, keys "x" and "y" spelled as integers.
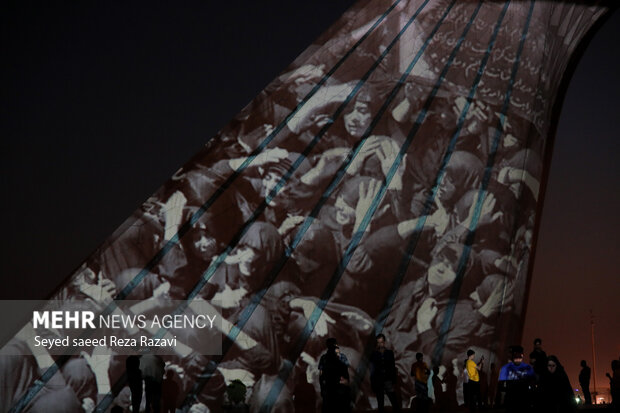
{"x": 411, "y": 245}
{"x": 320, "y": 306}
{"x": 40, "y": 383}
{"x": 259, "y": 210}
{"x": 456, "y": 287}
{"x": 255, "y": 300}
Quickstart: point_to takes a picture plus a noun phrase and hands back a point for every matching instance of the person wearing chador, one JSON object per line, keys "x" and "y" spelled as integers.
{"x": 556, "y": 391}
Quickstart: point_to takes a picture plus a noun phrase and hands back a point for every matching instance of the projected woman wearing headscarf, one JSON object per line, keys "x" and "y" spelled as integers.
{"x": 246, "y": 269}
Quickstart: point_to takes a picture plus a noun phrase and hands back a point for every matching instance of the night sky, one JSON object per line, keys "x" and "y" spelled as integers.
{"x": 102, "y": 103}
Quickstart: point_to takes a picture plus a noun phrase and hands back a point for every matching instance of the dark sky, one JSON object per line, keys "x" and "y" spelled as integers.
{"x": 101, "y": 103}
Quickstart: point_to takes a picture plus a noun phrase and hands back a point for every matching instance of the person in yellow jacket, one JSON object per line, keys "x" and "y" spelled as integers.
{"x": 473, "y": 376}
{"x": 420, "y": 371}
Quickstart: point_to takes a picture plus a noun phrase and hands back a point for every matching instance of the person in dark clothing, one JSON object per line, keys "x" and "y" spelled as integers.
{"x": 614, "y": 385}
{"x": 331, "y": 343}
{"x": 170, "y": 392}
{"x": 584, "y": 381}
{"x": 539, "y": 358}
{"x": 134, "y": 379}
{"x": 153, "y": 368}
{"x": 556, "y": 391}
{"x": 439, "y": 386}
{"x": 335, "y": 382}
{"x": 493, "y": 393}
{"x": 383, "y": 375}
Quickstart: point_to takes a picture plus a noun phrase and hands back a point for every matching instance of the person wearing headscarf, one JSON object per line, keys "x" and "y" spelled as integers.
{"x": 521, "y": 173}
{"x": 200, "y": 245}
{"x": 493, "y": 228}
{"x": 246, "y": 270}
{"x": 375, "y": 160}
{"x": 366, "y": 281}
{"x": 556, "y": 391}
{"x": 491, "y": 298}
{"x": 314, "y": 259}
{"x": 352, "y": 202}
{"x": 134, "y": 247}
{"x": 463, "y": 173}
{"x": 450, "y": 217}
{"x": 294, "y": 198}
{"x": 309, "y": 124}
{"x": 431, "y": 137}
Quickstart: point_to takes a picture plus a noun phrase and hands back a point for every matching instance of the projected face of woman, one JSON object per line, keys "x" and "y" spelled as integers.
{"x": 306, "y": 264}
{"x": 446, "y": 190}
{"x": 270, "y": 180}
{"x": 86, "y": 276}
{"x": 357, "y": 121}
{"x": 203, "y": 245}
{"x": 456, "y": 370}
{"x": 344, "y": 213}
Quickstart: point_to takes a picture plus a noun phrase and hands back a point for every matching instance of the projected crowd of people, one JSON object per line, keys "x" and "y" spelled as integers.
{"x": 338, "y": 205}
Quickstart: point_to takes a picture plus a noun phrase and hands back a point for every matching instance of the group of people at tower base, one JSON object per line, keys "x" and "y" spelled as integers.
{"x": 541, "y": 385}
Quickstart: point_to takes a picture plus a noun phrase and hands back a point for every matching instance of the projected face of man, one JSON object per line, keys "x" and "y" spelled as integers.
{"x": 440, "y": 274}
{"x": 357, "y": 121}
{"x": 345, "y": 214}
{"x": 380, "y": 343}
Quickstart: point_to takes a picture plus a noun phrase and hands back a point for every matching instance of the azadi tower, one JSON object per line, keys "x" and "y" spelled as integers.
{"x": 387, "y": 182}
